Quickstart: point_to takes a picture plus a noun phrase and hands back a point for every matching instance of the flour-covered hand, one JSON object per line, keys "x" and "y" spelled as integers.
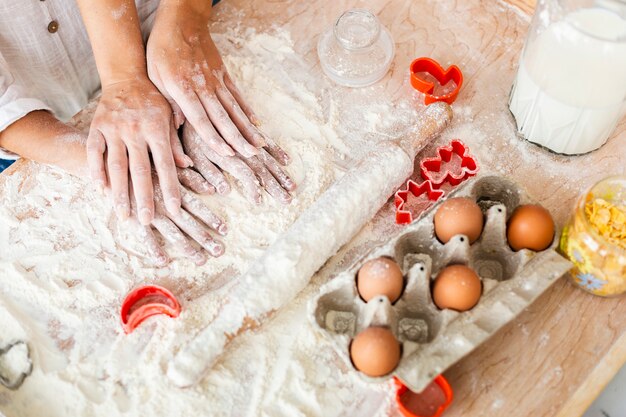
{"x": 186, "y": 67}
{"x": 263, "y": 171}
{"x": 132, "y": 121}
{"x": 191, "y": 229}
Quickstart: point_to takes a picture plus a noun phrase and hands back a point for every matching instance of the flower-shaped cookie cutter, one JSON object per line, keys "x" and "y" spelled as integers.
{"x": 468, "y": 166}
{"x": 403, "y": 214}
{"x": 404, "y": 408}
{"x": 432, "y": 67}
{"x": 13, "y": 382}
{"x": 147, "y": 301}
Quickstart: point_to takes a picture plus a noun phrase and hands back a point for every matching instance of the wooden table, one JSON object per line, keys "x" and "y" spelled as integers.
{"x": 556, "y": 357}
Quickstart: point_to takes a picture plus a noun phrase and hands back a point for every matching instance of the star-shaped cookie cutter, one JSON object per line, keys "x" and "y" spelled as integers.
{"x": 468, "y": 167}
{"x": 404, "y": 216}
{"x": 147, "y": 301}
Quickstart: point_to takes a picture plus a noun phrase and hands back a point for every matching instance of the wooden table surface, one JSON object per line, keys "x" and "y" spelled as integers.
{"x": 556, "y": 357}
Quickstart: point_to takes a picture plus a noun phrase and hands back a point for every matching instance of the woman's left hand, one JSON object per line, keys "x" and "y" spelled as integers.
{"x": 186, "y": 67}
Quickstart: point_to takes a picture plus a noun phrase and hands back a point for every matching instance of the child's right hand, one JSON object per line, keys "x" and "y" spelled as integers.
{"x": 264, "y": 171}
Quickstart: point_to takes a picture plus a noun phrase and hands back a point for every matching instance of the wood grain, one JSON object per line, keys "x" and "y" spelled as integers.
{"x": 555, "y": 357}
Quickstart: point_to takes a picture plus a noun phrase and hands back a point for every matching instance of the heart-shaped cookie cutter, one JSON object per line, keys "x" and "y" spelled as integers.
{"x": 17, "y": 382}
{"x": 147, "y": 301}
{"x": 440, "y": 381}
{"x": 432, "y": 67}
{"x": 468, "y": 167}
{"x": 404, "y": 216}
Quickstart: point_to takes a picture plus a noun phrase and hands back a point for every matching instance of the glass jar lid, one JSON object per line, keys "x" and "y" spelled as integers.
{"x": 357, "y": 50}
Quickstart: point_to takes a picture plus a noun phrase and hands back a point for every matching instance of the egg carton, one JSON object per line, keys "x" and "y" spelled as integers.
{"x": 432, "y": 340}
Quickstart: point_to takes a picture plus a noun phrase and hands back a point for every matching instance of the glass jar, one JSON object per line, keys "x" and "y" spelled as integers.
{"x": 591, "y": 239}
{"x": 357, "y": 50}
{"x": 570, "y": 88}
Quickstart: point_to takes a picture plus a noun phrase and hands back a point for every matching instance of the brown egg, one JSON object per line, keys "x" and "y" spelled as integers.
{"x": 375, "y": 351}
{"x": 530, "y": 227}
{"x": 457, "y": 287}
{"x": 458, "y": 216}
{"x": 380, "y": 276}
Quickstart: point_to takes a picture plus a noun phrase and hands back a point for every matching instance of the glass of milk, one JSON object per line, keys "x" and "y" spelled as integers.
{"x": 570, "y": 88}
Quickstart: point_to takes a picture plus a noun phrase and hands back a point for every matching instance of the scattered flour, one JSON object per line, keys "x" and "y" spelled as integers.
{"x": 68, "y": 264}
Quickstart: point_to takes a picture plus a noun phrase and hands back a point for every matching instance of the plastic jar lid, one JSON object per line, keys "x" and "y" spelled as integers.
{"x": 357, "y": 50}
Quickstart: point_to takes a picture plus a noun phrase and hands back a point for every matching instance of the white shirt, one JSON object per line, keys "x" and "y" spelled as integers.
{"x": 44, "y": 68}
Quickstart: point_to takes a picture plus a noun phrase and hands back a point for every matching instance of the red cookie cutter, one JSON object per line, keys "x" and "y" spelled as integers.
{"x": 468, "y": 166}
{"x": 404, "y": 216}
{"x": 147, "y": 301}
{"x": 440, "y": 381}
{"x": 432, "y": 67}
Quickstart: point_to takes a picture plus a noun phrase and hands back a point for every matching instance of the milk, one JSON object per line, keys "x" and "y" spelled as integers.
{"x": 570, "y": 89}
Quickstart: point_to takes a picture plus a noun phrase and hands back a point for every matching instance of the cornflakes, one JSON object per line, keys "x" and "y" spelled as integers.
{"x": 608, "y": 219}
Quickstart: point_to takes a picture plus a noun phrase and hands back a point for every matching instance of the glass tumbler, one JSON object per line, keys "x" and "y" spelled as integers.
{"x": 570, "y": 88}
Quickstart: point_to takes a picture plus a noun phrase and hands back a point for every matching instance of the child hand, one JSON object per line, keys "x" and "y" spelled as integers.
{"x": 193, "y": 226}
{"x": 253, "y": 173}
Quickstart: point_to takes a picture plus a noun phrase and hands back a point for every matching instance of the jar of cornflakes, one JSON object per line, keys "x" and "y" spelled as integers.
{"x": 595, "y": 238}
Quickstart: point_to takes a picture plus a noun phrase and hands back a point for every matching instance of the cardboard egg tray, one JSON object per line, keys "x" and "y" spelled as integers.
{"x": 432, "y": 339}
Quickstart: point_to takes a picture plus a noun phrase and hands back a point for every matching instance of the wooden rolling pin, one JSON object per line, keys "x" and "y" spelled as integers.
{"x": 321, "y": 230}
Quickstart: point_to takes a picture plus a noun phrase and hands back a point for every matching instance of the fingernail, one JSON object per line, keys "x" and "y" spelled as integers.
{"x": 217, "y": 250}
{"x": 205, "y": 187}
{"x": 145, "y": 216}
{"x": 173, "y": 206}
{"x": 161, "y": 260}
{"x": 253, "y": 149}
{"x": 100, "y": 186}
{"x": 122, "y": 211}
{"x": 199, "y": 258}
{"x": 222, "y": 229}
{"x": 255, "y": 120}
{"x": 188, "y": 161}
{"x": 226, "y": 150}
{"x": 260, "y": 140}
{"x": 223, "y": 188}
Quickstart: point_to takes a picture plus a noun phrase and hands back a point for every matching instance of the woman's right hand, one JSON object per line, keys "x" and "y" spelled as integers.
{"x": 132, "y": 121}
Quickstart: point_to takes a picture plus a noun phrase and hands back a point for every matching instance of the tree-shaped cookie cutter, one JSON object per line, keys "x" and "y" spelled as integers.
{"x": 435, "y": 169}
{"x": 431, "y": 186}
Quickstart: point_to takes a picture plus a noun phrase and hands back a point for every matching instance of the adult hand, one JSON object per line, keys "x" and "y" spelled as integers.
{"x": 132, "y": 120}
{"x": 187, "y": 230}
{"x": 253, "y": 173}
{"x": 186, "y": 67}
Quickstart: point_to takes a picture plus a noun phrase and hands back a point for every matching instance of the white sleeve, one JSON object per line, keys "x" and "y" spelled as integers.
{"x": 14, "y": 102}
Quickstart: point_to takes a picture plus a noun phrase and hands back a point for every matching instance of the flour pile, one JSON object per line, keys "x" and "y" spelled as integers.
{"x": 68, "y": 263}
